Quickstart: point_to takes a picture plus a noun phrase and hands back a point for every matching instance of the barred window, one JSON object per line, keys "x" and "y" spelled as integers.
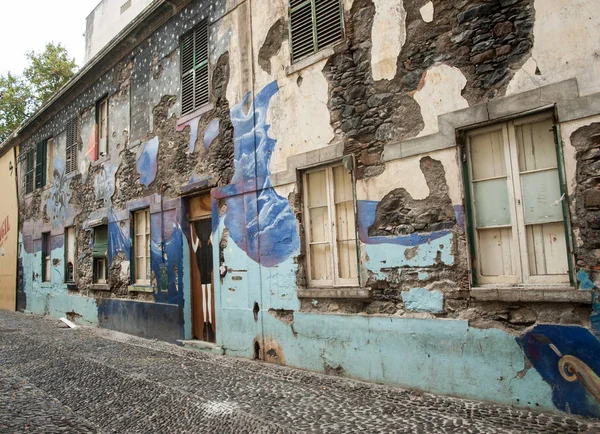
{"x": 314, "y": 25}
{"x": 194, "y": 69}
{"x": 72, "y": 142}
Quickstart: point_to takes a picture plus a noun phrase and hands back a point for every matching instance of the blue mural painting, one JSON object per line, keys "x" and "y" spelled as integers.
{"x": 118, "y": 237}
{"x": 60, "y": 194}
{"x": 566, "y": 358}
{"x": 366, "y": 217}
{"x": 262, "y": 224}
{"x": 211, "y": 133}
{"x": 193, "y": 124}
{"x": 166, "y": 257}
{"x": 146, "y": 164}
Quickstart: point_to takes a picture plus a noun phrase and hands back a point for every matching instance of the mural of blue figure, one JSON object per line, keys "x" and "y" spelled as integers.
{"x": 147, "y": 164}
{"x": 60, "y": 194}
{"x": 262, "y": 224}
{"x": 566, "y": 358}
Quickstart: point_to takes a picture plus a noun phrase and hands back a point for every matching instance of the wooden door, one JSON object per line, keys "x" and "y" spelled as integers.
{"x": 201, "y": 258}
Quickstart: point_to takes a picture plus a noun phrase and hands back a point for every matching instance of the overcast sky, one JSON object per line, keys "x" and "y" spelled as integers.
{"x": 30, "y": 25}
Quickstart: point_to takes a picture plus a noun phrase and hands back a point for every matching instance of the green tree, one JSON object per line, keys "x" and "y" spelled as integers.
{"x": 21, "y": 96}
{"x": 16, "y": 103}
{"x": 49, "y": 70}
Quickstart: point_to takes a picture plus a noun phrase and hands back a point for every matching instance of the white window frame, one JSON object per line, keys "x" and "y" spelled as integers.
{"x": 144, "y": 236}
{"x": 520, "y": 262}
{"x": 336, "y": 281}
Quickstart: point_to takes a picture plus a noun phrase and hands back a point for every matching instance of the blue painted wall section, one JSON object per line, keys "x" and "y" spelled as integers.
{"x": 567, "y": 359}
{"x": 423, "y": 300}
{"x": 146, "y": 164}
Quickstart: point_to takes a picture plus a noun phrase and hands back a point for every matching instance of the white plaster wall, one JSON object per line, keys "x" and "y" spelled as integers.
{"x": 406, "y": 173}
{"x": 566, "y": 44}
{"x": 439, "y": 92}
{"x": 108, "y": 22}
{"x": 388, "y": 36}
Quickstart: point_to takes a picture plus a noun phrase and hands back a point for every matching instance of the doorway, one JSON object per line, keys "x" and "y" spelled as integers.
{"x": 201, "y": 264}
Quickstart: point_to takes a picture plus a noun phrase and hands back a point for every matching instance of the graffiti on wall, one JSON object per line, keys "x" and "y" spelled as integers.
{"x": 60, "y": 194}
{"x": 566, "y": 358}
{"x": 146, "y": 164}
{"x": 262, "y": 224}
{"x": 4, "y": 230}
{"x": 211, "y": 133}
{"x": 193, "y": 124}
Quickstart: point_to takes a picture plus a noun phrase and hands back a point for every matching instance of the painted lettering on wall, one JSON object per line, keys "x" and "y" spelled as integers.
{"x": 4, "y": 230}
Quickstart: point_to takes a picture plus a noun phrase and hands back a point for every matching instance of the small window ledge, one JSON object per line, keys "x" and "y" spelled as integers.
{"x": 346, "y": 292}
{"x": 545, "y": 294}
{"x": 100, "y": 287}
{"x": 317, "y": 57}
{"x": 140, "y": 288}
{"x": 196, "y": 113}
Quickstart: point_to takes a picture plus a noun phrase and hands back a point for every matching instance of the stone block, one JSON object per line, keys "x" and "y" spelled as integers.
{"x": 483, "y": 57}
{"x": 503, "y": 28}
{"x": 592, "y": 198}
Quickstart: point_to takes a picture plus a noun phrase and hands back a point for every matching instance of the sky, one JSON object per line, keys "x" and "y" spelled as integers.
{"x": 30, "y": 25}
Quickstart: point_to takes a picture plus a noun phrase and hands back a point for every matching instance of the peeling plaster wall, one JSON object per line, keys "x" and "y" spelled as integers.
{"x": 565, "y": 45}
{"x": 403, "y": 65}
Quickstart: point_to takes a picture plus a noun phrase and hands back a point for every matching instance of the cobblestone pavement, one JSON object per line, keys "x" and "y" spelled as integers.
{"x": 57, "y": 380}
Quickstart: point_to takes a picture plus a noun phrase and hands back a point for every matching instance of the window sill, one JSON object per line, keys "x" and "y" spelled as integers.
{"x": 101, "y": 160}
{"x": 100, "y": 287}
{"x": 342, "y": 292}
{"x": 545, "y": 294}
{"x": 196, "y": 113}
{"x": 140, "y": 288}
{"x": 317, "y": 57}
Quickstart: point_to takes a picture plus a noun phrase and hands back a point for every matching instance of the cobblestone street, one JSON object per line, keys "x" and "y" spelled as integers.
{"x": 55, "y": 379}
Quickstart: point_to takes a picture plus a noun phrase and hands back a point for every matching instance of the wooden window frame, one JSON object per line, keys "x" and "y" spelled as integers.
{"x": 99, "y": 260}
{"x": 336, "y": 281}
{"x": 72, "y": 146}
{"x": 102, "y": 133}
{"x": 297, "y": 5}
{"x": 29, "y": 172}
{"x": 70, "y": 275}
{"x": 46, "y": 257}
{"x": 197, "y": 70}
{"x": 147, "y": 240}
{"x": 521, "y": 273}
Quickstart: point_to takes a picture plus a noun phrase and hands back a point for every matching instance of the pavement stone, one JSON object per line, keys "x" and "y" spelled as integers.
{"x": 56, "y": 379}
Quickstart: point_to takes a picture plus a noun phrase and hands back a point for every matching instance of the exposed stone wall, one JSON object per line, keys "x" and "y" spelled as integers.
{"x": 485, "y": 41}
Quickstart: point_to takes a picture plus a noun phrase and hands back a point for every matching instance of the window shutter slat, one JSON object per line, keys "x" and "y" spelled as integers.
{"x": 301, "y": 21}
{"x": 195, "y": 89}
{"x": 329, "y": 23}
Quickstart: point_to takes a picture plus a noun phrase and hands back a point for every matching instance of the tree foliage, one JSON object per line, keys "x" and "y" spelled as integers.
{"x": 21, "y": 96}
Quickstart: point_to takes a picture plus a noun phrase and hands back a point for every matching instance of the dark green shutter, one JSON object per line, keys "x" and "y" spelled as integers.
{"x": 40, "y": 164}
{"x": 194, "y": 69}
{"x": 314, "y": 25}
{"x": 100, "y": 249}
{"x": 29, "y": 170}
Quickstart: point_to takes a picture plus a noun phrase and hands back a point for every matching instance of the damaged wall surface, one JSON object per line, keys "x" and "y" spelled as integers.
{"x": 394, "y": 109}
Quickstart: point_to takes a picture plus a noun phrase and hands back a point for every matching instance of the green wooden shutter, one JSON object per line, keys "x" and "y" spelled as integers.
{"x": 29, "y": 170}
{"x": 40, "y": 164}
{"x": 194, "y": 69}
{"x": 314, "y": 24}
{"x": 71, "y": 148}
{"x": 100, "y": 249}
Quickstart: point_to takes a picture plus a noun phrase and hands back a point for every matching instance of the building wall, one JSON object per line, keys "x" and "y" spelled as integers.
{"x": 107, "y": 19}
{"x": 8, "y": 231}
{"x": 409, "y": 76}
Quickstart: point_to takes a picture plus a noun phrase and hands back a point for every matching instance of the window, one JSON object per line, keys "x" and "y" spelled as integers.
{"x": 72, "y": 144}
{"x": 125, "y": 6}
{"x": 141, "y": 247}
{"x": 519, "y": 232}
{"x": 331, "y": 241}
{"x": 102, "y": 122}
{"x": 70, "y": 253}
{"x": 314, "y": 24}
{"x": 41, "y": 153}
{"x": 46, "y": 257}
{"x": 194, "y": 69}
{"x": 50, "y": 160}
{"x": 100, "y": 254}
{"x": 29, "y": 170}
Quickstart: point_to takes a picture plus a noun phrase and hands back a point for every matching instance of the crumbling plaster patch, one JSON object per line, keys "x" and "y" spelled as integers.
{"x": 427, "y": 12}
{"x": 270, "y": 39}
{"x": 566, "y": 44}
{"x": 569, "y": 151}
{"x": 388, "y": 35}
{"x": 298, "y": 115}
{"x": 439, "y": 92}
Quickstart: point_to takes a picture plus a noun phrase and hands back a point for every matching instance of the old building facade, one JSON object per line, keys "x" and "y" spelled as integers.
{"x": 398, "y": 191}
